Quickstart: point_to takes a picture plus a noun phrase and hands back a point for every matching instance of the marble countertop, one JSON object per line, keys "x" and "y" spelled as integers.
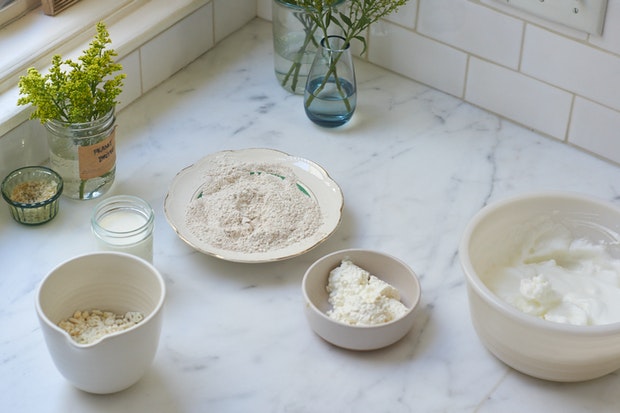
{"x": 414, "y": 165}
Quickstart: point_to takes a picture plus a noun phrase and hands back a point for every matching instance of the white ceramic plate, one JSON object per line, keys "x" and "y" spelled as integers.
{"x": 311, "y": 177}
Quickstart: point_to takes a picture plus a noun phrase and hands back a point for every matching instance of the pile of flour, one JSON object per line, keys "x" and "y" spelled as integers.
{"x": 254, "y": 207}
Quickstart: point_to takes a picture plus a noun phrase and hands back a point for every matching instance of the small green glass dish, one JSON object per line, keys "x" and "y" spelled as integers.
{"x": 32, "y": 193}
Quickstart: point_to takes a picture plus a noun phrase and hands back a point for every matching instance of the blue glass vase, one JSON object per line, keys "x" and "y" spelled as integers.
{"x": 330, "y": 96}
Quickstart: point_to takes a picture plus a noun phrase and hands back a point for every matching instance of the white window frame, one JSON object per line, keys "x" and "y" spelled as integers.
{"x": 34, "y": 38}
{"x": 130, "y": 27}
{"x": 15, "y": 9}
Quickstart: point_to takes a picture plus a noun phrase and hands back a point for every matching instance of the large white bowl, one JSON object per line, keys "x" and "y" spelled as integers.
{"x": 384, "y": 266}
{"x": 110, "y": 281}
{"x": 531, "y": 345}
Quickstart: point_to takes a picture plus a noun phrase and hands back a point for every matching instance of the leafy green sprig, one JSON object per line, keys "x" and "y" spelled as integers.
{"x": 86, "y": 91}
{"x": 352, "y": 20}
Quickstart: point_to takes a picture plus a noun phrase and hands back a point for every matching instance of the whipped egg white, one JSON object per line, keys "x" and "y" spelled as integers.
{"x": 560, "y": 278}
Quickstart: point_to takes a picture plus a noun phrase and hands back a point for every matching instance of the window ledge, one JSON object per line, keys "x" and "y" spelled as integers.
{"x": 129, "y": 29}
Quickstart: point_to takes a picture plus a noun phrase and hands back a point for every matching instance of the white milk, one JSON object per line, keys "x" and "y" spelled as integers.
{"x": 124, "y": 224}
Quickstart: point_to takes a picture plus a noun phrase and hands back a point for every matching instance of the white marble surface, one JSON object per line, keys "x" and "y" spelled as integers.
{"x": 414, "y": 165}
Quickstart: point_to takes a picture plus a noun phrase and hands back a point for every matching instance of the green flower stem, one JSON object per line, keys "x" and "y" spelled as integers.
{"x": 83, "y": 182}
{"x": 332, "y": 71}
{"x": 353, "y": 20}
{"x": 82, "y": 188}
{"x": 310, "y": 29}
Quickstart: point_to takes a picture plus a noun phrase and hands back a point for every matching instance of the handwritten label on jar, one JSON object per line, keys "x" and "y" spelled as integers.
{"x": 98, "y": 159}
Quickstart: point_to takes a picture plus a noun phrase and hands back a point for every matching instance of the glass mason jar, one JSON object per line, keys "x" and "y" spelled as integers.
{"x": 295, "y": 42}
{"x": 331, "y": 91}
{"x": 84, "y": 154}
{"x": 124, "y": 223}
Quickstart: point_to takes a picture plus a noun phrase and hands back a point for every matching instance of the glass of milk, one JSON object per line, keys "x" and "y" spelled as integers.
{"x": 124, "y": 223}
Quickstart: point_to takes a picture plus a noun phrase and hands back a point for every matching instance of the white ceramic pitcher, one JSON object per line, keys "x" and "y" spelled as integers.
{"x": 111, "y": 281}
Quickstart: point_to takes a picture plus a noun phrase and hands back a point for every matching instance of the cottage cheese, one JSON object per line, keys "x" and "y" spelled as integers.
{"x": 561, "y": 279}
{"x": 359, "y": 298}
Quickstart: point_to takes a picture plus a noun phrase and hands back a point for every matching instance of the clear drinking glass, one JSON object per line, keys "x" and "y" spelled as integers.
{"x": 124, "y": 223}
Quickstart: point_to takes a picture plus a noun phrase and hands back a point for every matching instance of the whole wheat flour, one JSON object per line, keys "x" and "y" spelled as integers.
{"x": 252, "y": 208}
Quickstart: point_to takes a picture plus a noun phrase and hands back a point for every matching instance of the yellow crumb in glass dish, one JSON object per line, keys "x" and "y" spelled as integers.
{"x": 32, "y": 193}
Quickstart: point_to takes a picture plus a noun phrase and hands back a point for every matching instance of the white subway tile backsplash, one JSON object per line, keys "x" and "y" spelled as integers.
{"x": 405, "y": 15}
{"x": 176, "y": 47}
{"x": 595, "y": 128}
{"x": 425, "y": 60}
{"x": 230, "y": 15}
{"x": 524, "y": 16}
{"x": 518, "y": 97}
{"x": 132, "y": 86}
{"x": 572, "y": 65}
{"x": 263, "y": 9}
{"x": 540, "y": 74}
{"x": 537, "y": 73}
{"x": 23, "y": 146}
{"x": 524, "y": 68}
{"x": 475, "y": 29}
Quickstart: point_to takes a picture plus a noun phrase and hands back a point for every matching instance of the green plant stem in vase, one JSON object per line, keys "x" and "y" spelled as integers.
{"x": 75, "y": 100}
{"x": 351, "y": 20}
{"x": 331, "y": 90}
{"x": 295, "y": 41}
{"x": 309, "y": 42}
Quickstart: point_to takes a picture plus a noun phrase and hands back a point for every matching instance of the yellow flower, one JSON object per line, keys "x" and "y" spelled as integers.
{"x": 84, "y": 92}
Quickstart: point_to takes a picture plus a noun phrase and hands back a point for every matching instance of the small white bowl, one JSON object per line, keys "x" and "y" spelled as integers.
{"x": 531, "y": 345}
{"x": 111, "y": 281}
{"x": 385, "y": 267}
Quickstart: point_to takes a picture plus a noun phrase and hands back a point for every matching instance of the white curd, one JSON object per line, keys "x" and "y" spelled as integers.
{"x": 359, "y": 298}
